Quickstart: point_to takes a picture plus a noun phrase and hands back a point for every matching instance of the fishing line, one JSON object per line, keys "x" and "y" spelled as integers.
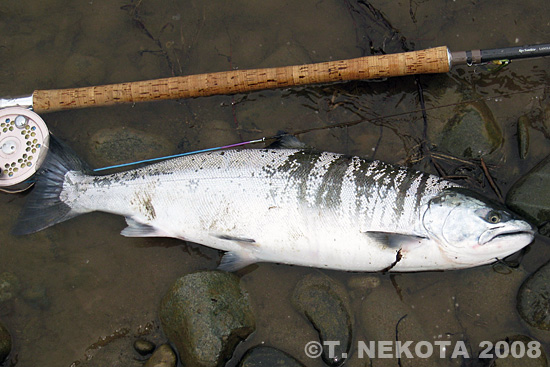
{"x": 422, "y": 110}
{"x": 182, "y": 154}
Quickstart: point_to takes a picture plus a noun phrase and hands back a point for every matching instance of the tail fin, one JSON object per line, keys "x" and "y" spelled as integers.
{"x": 44, "y": 207}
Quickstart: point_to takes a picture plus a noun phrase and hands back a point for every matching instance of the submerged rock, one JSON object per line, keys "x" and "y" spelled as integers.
{"x": 471, "y": 132}
{"x": 530, "y": 195}
{"x": 467, "y": 130}
{"x": 268, "y": 356}
{"x": 163, "y": 356}
{"x": 206, "y": 314}
{"x": 533, "y": 300}
{"x": 325, "y": 304}
{"x": 5, "y": 343}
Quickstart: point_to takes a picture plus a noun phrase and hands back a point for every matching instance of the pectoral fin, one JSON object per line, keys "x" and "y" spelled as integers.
{"x": 396, "y": 240}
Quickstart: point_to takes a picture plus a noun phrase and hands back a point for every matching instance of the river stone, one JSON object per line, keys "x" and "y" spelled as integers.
{"x": 5, "y": 343}
{"x": 268, "y": 356}
{"x": 326, "y": 305}
{"x": 122, "y": 145}
{"x": 163, "y": 356}
{"x": 530, "y": 195}
{"x": 471, "y": 132}
{"x": 205, "y": 315}
{"x": 533, "y": 299}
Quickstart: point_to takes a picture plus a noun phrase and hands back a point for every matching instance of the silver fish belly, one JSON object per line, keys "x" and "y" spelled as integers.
{"x": 288, "y": 206}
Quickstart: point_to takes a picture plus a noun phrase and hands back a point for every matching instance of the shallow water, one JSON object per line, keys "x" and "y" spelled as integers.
{"x": 102, "y": 287}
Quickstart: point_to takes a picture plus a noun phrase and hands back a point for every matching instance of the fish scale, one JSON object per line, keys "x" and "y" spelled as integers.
{"x": 294, "y": 206}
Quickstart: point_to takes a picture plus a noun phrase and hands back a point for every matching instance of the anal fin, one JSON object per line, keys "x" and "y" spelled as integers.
{"x": 136, "y": 229}
{"x": 233, "y": 261}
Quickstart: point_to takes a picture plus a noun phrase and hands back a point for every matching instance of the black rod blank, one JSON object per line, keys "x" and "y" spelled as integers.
{"x": 507, "y": 53}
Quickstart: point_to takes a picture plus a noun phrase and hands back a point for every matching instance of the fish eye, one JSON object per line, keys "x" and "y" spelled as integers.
{"x": 493, "y": 217}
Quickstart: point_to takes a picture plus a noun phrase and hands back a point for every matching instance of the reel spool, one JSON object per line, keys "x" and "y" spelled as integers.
{"x": 24, "y": 139}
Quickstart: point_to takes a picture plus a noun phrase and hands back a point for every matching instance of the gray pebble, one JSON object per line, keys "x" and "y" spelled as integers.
{"x": 144, "y": 347}
{"x": 164, "y": 356}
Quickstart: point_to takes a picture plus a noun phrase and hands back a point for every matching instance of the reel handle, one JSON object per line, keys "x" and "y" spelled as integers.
{"x": 434, "y": 60}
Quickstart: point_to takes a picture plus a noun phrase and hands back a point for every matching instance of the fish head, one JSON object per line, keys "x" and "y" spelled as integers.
{"x": 473, "y": 230}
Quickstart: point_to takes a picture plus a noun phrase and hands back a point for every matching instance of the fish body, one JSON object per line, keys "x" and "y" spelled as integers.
{"x": 292, "y": 206}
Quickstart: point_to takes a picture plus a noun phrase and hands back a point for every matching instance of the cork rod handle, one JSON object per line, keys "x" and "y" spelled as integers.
{"x": 434, "y": 60}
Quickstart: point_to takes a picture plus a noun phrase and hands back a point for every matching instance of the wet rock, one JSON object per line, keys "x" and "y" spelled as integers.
{"x": 122, "y": 145}
{"x": 518, "y": 351}
{"x": 530, "y": 195}
{"x": 144, "y": 347}
{"x": 5, "y": 343}
{"x": 36, "y": 296}
{"x": 205, "y": 315}
{"x": 268, "y": 356}
{"x": 164, "y": 356}
{"x": 533, "y": 299}
{"x": 9, "y": 286}
{"x": 325, "y": 304}
{"x": 471, "y": 132}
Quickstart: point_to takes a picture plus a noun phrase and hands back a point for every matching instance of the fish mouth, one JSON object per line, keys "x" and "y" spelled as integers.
{"x": 503, "y": 234}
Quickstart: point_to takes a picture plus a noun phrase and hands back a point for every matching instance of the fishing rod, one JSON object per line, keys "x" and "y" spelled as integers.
{"x": 24, "y": 135}
{"x": 429, "y": 61}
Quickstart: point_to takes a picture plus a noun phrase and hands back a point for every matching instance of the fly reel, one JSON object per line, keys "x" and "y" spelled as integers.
{"x": 24, "y": 139}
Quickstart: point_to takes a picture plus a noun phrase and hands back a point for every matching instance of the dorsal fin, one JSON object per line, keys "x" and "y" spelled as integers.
{"x": 287, "y": 141}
